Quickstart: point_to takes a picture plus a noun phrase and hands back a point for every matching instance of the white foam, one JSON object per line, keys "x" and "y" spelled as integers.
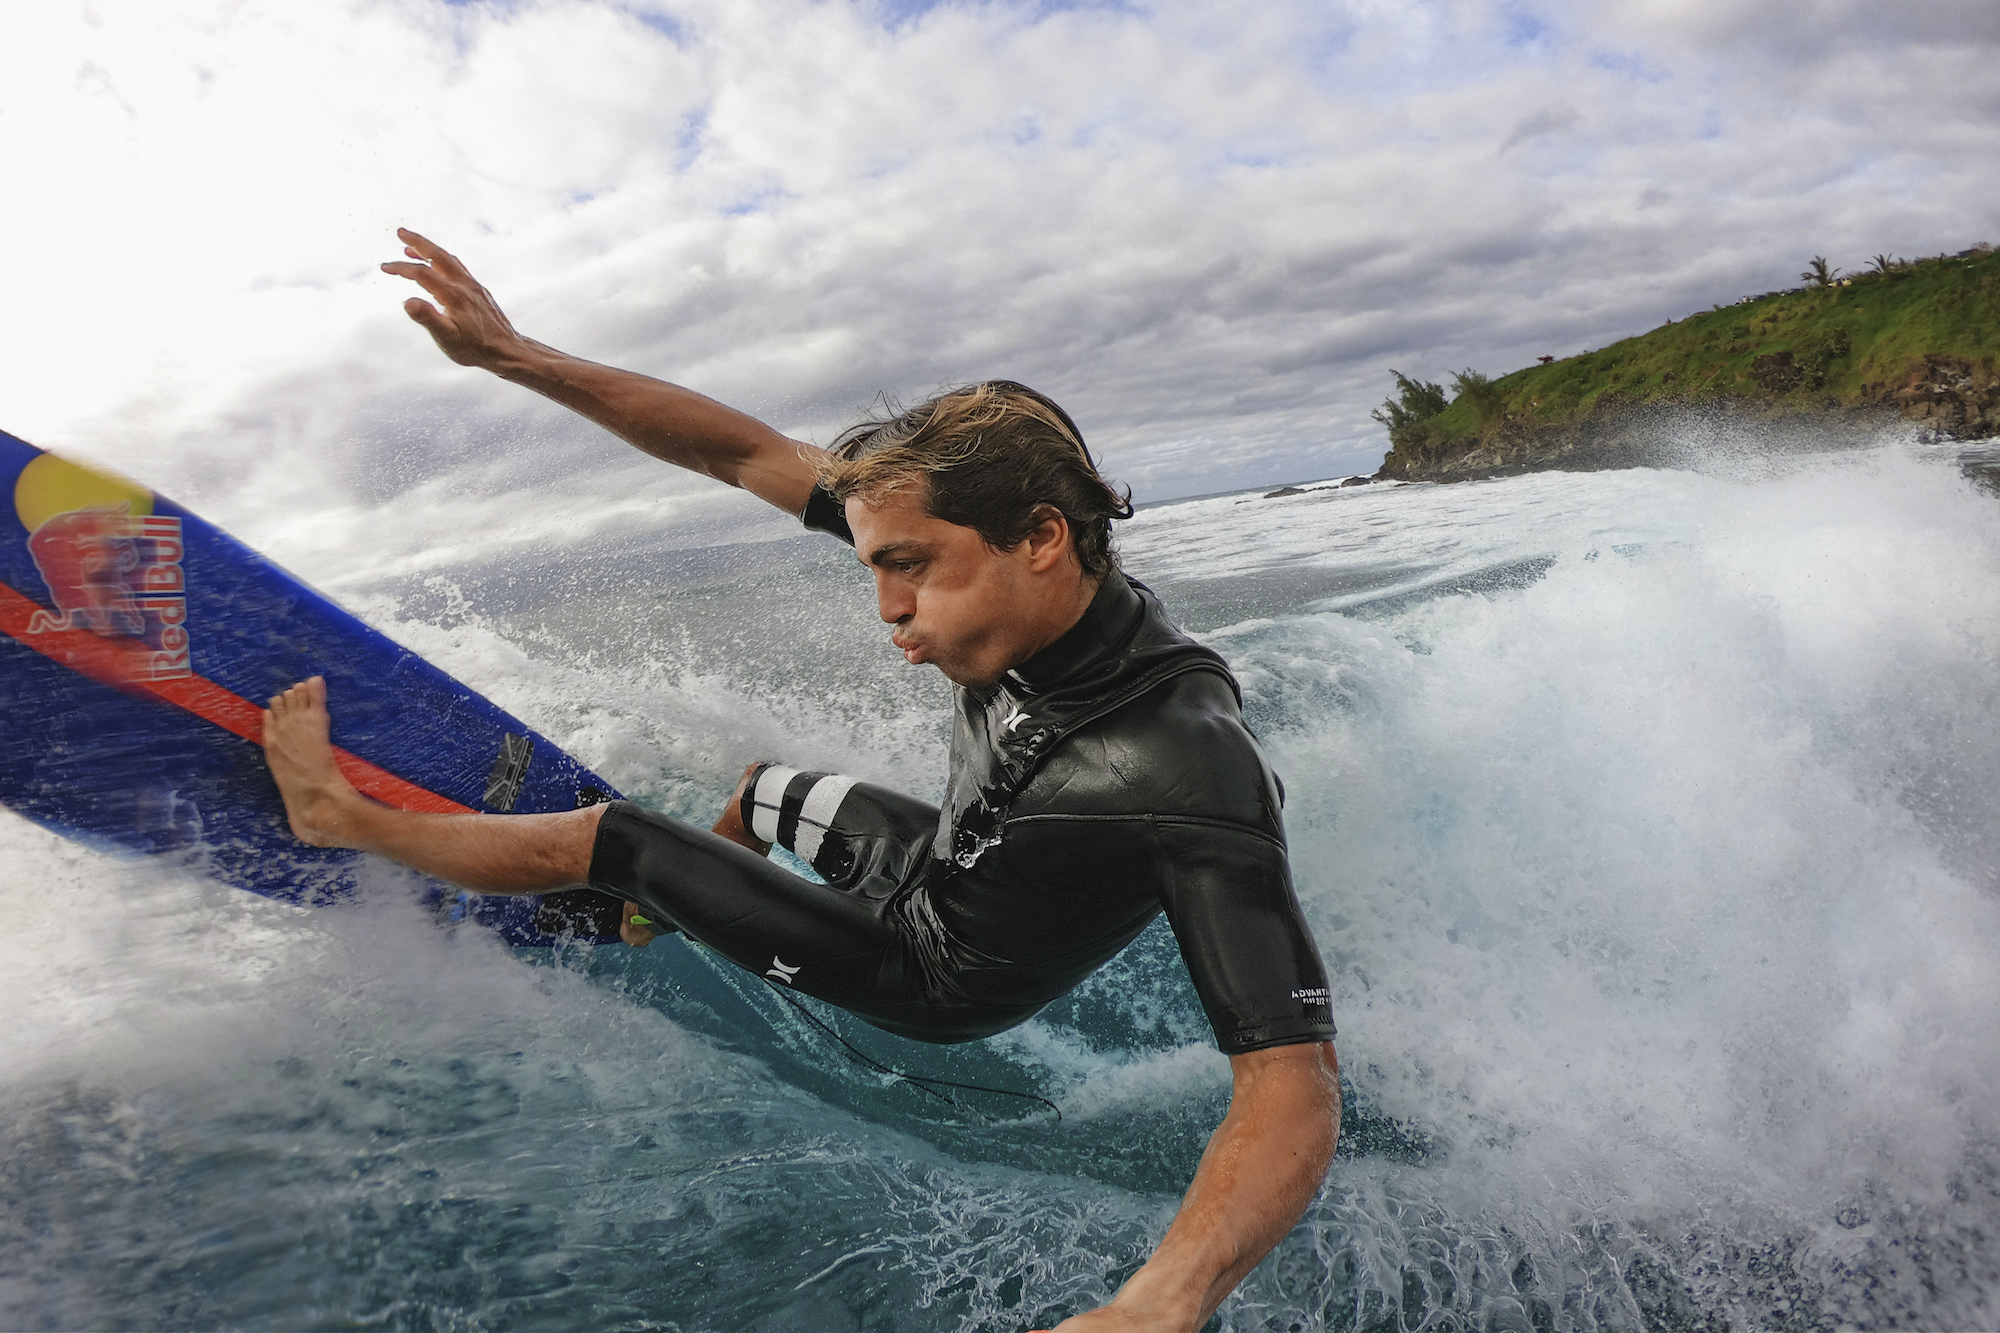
{"x": 1668, "y": 880}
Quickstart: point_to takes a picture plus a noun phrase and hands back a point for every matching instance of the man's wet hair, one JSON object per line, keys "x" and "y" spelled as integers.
{"x": 987, "y": 457}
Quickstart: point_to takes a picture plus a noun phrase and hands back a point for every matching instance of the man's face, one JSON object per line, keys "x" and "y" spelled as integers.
{"x": 957, "y": 603}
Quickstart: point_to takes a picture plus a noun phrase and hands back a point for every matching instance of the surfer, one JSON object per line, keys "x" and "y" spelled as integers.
{"x": 1100, "y": 774}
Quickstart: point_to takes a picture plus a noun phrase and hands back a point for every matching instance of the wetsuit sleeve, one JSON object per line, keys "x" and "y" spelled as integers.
{"x": 825, "y": 514}
{"x": 1228, "y": 895}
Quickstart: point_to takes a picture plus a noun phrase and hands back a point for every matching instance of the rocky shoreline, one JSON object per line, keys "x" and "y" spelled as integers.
{"x": 1947, "y": 397}
{"x": 1910, "y": 344}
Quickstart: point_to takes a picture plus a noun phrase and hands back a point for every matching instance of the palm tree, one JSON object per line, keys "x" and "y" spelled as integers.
{"x": 1817, "y": 274}
{"x": 1882, "y": 263}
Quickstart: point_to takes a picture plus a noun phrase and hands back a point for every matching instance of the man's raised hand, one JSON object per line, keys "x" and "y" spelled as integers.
{"x": 470, "y": 328}
{"x": 674, "y": 424}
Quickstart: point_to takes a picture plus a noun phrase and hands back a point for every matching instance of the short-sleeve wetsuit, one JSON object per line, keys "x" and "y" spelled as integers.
{"x": 1106, "y": 779}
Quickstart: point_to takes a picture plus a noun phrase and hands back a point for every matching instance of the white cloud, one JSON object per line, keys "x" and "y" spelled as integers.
{"x": 1209, "y": 233}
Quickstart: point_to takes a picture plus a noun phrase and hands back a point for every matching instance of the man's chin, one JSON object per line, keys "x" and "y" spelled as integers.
{"x": 964, "y": 679}
{"x": 958, "y": 673}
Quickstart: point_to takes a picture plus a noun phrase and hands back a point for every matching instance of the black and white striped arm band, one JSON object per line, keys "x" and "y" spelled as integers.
{"x": 791, "y": 808}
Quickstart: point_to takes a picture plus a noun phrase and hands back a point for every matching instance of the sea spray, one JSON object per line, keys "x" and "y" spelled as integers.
{"x": 1649, "y": 890}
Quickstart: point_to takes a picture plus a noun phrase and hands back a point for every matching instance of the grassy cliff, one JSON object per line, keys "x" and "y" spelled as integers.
{"x": 1920, "y": 338}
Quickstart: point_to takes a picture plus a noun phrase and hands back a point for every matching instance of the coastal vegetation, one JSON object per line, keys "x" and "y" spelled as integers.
{"x": 1919, "y": 338}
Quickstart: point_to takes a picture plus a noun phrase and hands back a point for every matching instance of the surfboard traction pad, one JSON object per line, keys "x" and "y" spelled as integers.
{"x": 137, "y": 643}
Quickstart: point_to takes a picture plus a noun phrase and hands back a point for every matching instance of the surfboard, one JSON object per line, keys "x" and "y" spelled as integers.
{"x": 137, "y": 645}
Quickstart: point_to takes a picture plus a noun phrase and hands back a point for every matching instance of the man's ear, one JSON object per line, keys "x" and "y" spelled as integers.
{"x": 1048, "y": 542}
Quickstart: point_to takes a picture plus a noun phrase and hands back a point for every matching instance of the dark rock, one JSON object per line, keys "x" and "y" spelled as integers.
{"x": 1777, "y": 372}
{"x": 1661, "y": 434}
{"x": 1283, "y": 491}
{"x": 1951, "y": 395}
{"x": 1356, "y": 481}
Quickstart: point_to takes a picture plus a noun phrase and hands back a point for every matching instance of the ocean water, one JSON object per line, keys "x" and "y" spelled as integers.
{"x": 1647, "y": 822}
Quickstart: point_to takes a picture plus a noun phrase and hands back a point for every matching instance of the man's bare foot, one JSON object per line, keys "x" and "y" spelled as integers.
{"x": 296, "y": 746}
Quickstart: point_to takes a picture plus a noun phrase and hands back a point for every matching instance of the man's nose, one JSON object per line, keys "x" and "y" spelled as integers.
{"x": 893, "y": 602}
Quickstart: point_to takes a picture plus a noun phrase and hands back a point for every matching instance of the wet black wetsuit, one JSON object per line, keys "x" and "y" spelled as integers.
{"x": 1106, "y": 779}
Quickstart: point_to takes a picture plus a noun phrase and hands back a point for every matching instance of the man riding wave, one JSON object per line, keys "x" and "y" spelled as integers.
{"x": 1100, "y": 774}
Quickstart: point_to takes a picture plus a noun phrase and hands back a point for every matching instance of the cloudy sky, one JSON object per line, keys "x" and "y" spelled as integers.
{"x": 1210, "y": 230}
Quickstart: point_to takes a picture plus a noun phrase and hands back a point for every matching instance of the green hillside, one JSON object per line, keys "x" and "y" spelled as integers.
{"x": 1921, "y": 337}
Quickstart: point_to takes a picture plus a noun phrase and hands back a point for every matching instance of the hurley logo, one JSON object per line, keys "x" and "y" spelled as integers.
{"x": 1013, "y": 720}
{"x": 778, "y": 971}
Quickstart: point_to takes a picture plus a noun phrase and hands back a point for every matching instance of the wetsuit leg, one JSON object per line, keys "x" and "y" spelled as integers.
{"x": 849, "y": 941}
{"x": 819, "y": 939}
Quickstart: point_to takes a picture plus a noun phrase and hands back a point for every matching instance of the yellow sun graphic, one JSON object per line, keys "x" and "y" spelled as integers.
{"x": 50, "y": 486}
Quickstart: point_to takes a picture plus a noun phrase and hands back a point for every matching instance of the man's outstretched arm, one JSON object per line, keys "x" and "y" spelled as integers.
{"x": 665, "y": 420}
{"x": 1262, "y": 1167}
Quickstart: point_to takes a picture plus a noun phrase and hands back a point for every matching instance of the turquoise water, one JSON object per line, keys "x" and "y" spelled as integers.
{"x": 1645, "y": 820}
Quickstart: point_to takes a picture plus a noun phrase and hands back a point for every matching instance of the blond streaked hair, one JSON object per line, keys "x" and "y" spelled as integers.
{"x": 986, "y": 457}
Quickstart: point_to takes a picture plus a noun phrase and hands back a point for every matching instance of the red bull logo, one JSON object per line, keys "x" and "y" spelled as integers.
{"x": 111, "y": 571}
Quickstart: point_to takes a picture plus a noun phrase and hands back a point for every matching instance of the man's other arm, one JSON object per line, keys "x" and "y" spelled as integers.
{"x": 1262, "y": 1166}
{"x": 665, "y": 420}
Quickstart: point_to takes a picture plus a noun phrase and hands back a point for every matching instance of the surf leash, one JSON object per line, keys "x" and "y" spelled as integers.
{"x": 921, "y": 1082}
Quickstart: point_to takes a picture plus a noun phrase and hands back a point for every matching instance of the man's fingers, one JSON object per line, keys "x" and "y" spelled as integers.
{"x": 424, "y": 275}
{"x": 423, "y": 247}
{"x": 433, "y": 278}
{"x": 434, "y": 321}
{"x": 418, "y": 243}
{"x": 438, "y": 283}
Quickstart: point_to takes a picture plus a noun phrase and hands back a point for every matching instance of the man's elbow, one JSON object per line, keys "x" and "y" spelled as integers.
{"x": 1299, "y": 1085}
{"x": 1327, "y": 1087}
{"x": 1318, "y": 1102}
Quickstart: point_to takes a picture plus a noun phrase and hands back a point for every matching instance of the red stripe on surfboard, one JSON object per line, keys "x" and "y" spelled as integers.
{"x": 122, "y": 664}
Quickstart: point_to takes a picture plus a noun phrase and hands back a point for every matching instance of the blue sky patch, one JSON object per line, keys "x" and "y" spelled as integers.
{"x": 763, "y": 201}
{"x": 1523, "y": 28}
{"x": 899, "y": 13}
{"x": 690, "y": 138}
{"x": 1630, "y": 64}
{"x": 665, "y": 24}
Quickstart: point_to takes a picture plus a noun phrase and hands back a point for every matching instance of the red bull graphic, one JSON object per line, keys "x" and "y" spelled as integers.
{"x": 119, "y": 576}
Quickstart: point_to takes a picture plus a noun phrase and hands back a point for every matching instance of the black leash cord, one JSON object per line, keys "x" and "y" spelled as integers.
{"x": 921, "y": 1082}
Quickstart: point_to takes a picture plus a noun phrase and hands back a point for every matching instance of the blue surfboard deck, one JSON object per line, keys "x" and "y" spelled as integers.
{"x": 138, "y": 642}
